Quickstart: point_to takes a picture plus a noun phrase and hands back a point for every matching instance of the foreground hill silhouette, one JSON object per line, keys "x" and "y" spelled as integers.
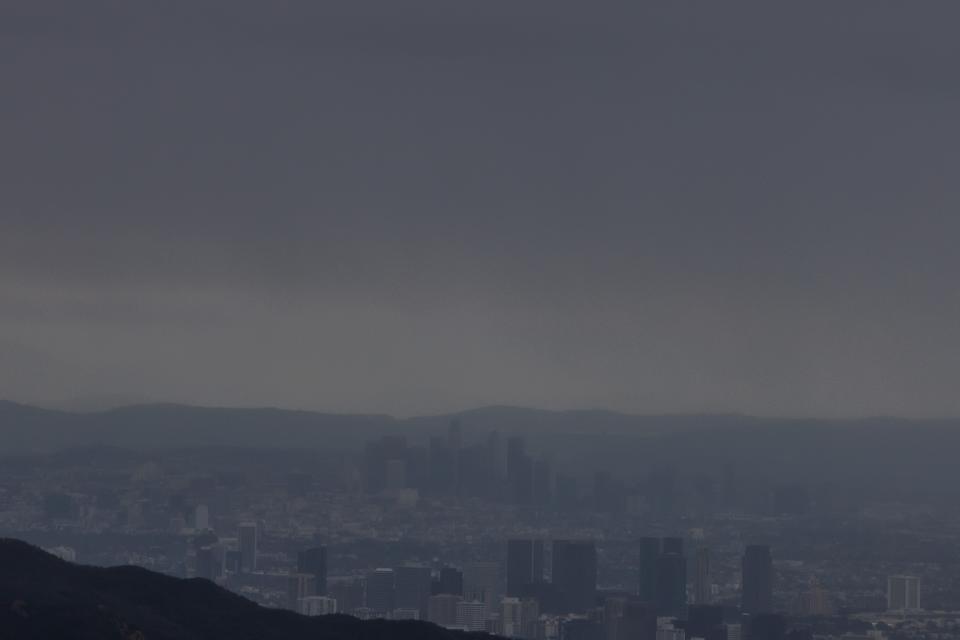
{"x": 43, "y": 597}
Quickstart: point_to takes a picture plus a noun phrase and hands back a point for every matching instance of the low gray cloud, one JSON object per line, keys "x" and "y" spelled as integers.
{"x": 417, "y": 206}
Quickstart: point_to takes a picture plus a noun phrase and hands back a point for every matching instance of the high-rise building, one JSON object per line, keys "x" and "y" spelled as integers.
{"x": 575, "y": 575}
{"x": 511, "y": 617}
{"x": 201, "y": 517}
{"x": 524, "y": 566}
{"x": 380, "y": 592}
{"x": 519, "y": 471}
{"x": 299, "y": 586}
{"x": 757, "y": 580}
{"x": 412, "y": 588}
{"x": 472, "y": 615}
{"x": 649, "y": 552}
{"x": 377, "y": 454}
{"x": 248, "y": 546}
{"x": 314, "y": 562}
{"x": 449, "y": 580}
{"x": 903, "y": 593}
{"x": 442, "y": 609}
{"x": 701, "y": 576}
{"x": 481, "y": 582}
{"x": 815, "y": 601}
{"x": 209, "y": 562}
{"x": 671, "y": 584}
{"x": 519, "y": 617}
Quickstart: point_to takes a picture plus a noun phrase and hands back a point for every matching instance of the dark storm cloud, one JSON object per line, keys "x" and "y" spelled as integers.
{"x": 410, "y": 206}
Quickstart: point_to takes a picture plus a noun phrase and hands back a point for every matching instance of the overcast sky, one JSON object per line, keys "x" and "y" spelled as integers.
{"x": 411, "y": 206}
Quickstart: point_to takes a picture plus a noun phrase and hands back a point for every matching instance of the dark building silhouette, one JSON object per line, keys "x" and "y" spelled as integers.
{"x": 449, "y": 582}
{"x": 767, "y": 626}
{"x": 672, "y": 545}
{"x": 412, "y": 589}
{"x": 705, "y": 621}
{"x": 629, "y": 618}
{"x": 581, "y": 629}
{"x": 671, "y": 584}
{"x": 348, "y": 593}
{"x": 379, "y": 591}
{"x": 524, "y": 567}
{"x": 701, "y": 576}
{"x": 314, "y": 562}
{"x": 380, "y": 457}
{"x": 575, "y": 575}
{"x": 248, "y": 546}
{"x": 649, "y": 552}
{"x": 208, "y": 563}
{"x": 757, "y": 580}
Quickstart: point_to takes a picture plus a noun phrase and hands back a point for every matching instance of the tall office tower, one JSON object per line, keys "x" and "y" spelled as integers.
{"x": 299, "y": 586}
{"x": 701, "y": 576}
{"x": 412, "y": 587}
{"x": 757, "y": 580}
{"x": 376, "y": 456}
{"x": 903, "y": 593}
{"x": 248, "y": 546}
{"x": 380, "y": 592}
{"x": 575, "y": 575}
{"x": 442, "y": 465}
{"x": 201, "y": 517}
{"x": 481, "y": 582}
{"x": 442, "y": 609}
{"x": 519, "y": 471}
{"x": 649, "y": 552}
{"x": 209, "y": 562}
{"x": 524, "y": 566}
{"x": 314, "y": 562}
{"x": 671, "y": 584}
{"x": 450, "y": 581}
{"x": 472, "y": 615}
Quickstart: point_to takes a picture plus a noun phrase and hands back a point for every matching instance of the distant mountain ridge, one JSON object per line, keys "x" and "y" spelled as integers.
{"x": 583, "y": 442}
{"x": 45, "y": 598}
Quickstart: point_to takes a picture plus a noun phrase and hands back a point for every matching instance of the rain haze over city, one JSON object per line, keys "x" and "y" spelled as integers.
{"x": 542, "y": 319}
